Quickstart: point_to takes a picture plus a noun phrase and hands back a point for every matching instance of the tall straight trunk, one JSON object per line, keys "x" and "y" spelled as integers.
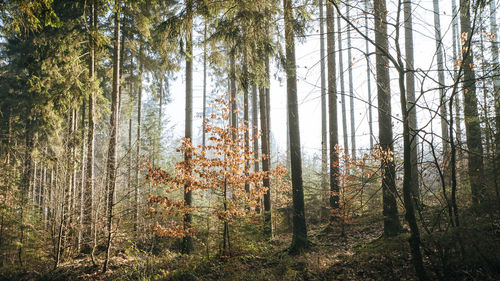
{"x": 82, "y": 176}
{"x": 50, "y": 207}
{"x": 299, "y": 234}
{"x": 456, "y": 56}
{"x": 88, "y": 193}
{"x": 129, "y": 174}
{"x": 138, "y": 142}
{"x": 368, "y": 77}
{"x": 255, "y": 133}
{"x": 74, "y": 194}
{"x": 410, "y": 95}
{"x": 187, "y": 241}
{"x": 246, "y": 122}
{"x": 342, "y": 88}
{"x": 332, "y": 112}
{"x": 392, "y": 225}
{"x": 113, "y": 136}
{"x": 472, "y": 126}
{"x": 25, "y": 185}
{"x": 496, "y": 88}
{"x": 255, "y": 126}
{"x": 351, "y": 85}
{"x": 160, "y": 116}
{"x": 204, "y": 114}
{"x": 442, "y": 93}
{"x": 33, "y": 185}
{"x": 232, "y": 75}
{"x": 45, "y": 202}
{"x": 409, "y": 197}
{"x": 64, "y": 223}
{"x": 324, "y": 160}
{"x": 43, "y": 187}
{"x": 485, "y": 107}
{"x": 266, "y": 161}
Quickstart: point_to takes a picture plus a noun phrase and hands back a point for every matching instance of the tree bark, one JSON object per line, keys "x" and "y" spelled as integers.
{"x": 351, "y": 85}
{"x": 299, "y": 235}
{"x": 324, "y": 160}
{"x": 138, "y": 143}
{"x": 409, "y": 197}
{"x": 89, "y": 171}
{"x": 410, "y": 95}
{"x": 368, "y": 77}
{"x": 392, "y": 225}
{"x": 496, "y": 89}
{"x": 472, "y": 126}
{"x": 113, "y": 136}
{"x": 187, "y": 241}
{"x": 442, "y": 93}
{"x": 332, "y": 113}
{"x": 456, "y": 55}
{"x": 266, "y": 161}
{"x": 342, "y": 89}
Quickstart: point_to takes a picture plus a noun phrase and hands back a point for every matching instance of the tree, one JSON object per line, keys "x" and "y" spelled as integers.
{"x": 390, "y": 212}
{"x": 410, "y": 93}
{"x": 187, "y": 242}
{"x": 324, "y": 160}
{"x": 496, "y": 87}
{"x": 472, "y": 126}
{"x": 368, "y": 77}
{"x": 442, "y": 95}
{"x": 299, "y": 238}
{"x": 342, "y": 90}
{"x": 140, "y": 71}
{"x": 113, "y": 136}
{"x": 266, "y": 154}
{"x": 456, "y": 54}
{"x": 218, "y": 167}
{"x": 351, "y": 85}
{"x": 332, "y": 114}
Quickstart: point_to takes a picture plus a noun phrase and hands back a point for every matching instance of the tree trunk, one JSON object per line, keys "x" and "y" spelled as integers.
{"x": 472, "y": 126}
{"x": 113, "y": 136}
{"x": 342, "y": 89}
{"x": 392, "y": 225}
{"x": 324, "y": 160}
{"x": 410, "y": 95}
{"x": 234, "y": 105}
{"x": 299, "y": 235}
{"x": 409, "y": 197}
{"x": 204, "y": 117}
{"x": 187, "y": 241}
{"x": 351, "y": 85}
{"x": 456, "y": 55}
{"x": 266, "y": 161}
{"x": 496, "y": 89}
{"x": 246, "y": 123}
{"x": 255, "y": 130}
{"x": 25, "y": 185}
{"x": 138, "y": 143}
{"x": 368, "y": 77}
{"x": 332, "y": 113}
{"x": 442, "y": 93}
{"x": 89, "y": 171}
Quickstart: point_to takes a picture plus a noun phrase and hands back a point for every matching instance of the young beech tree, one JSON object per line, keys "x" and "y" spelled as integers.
{"x": 218, "y": 167}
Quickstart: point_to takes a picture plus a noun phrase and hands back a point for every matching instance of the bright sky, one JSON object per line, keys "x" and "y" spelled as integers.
{"x": 308, "y": 71}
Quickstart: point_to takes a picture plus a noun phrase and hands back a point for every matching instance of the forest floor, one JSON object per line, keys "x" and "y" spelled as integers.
{"x": 465, "y": 253}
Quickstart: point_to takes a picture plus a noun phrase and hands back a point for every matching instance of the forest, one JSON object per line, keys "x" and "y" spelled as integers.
{"x": 161, "y": 140}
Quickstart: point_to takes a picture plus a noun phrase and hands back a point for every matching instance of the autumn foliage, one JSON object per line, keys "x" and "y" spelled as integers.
{"x": 219, "y": 169}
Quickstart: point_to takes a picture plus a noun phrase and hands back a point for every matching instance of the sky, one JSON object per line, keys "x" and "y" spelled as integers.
{"x": 308, "y": 81}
